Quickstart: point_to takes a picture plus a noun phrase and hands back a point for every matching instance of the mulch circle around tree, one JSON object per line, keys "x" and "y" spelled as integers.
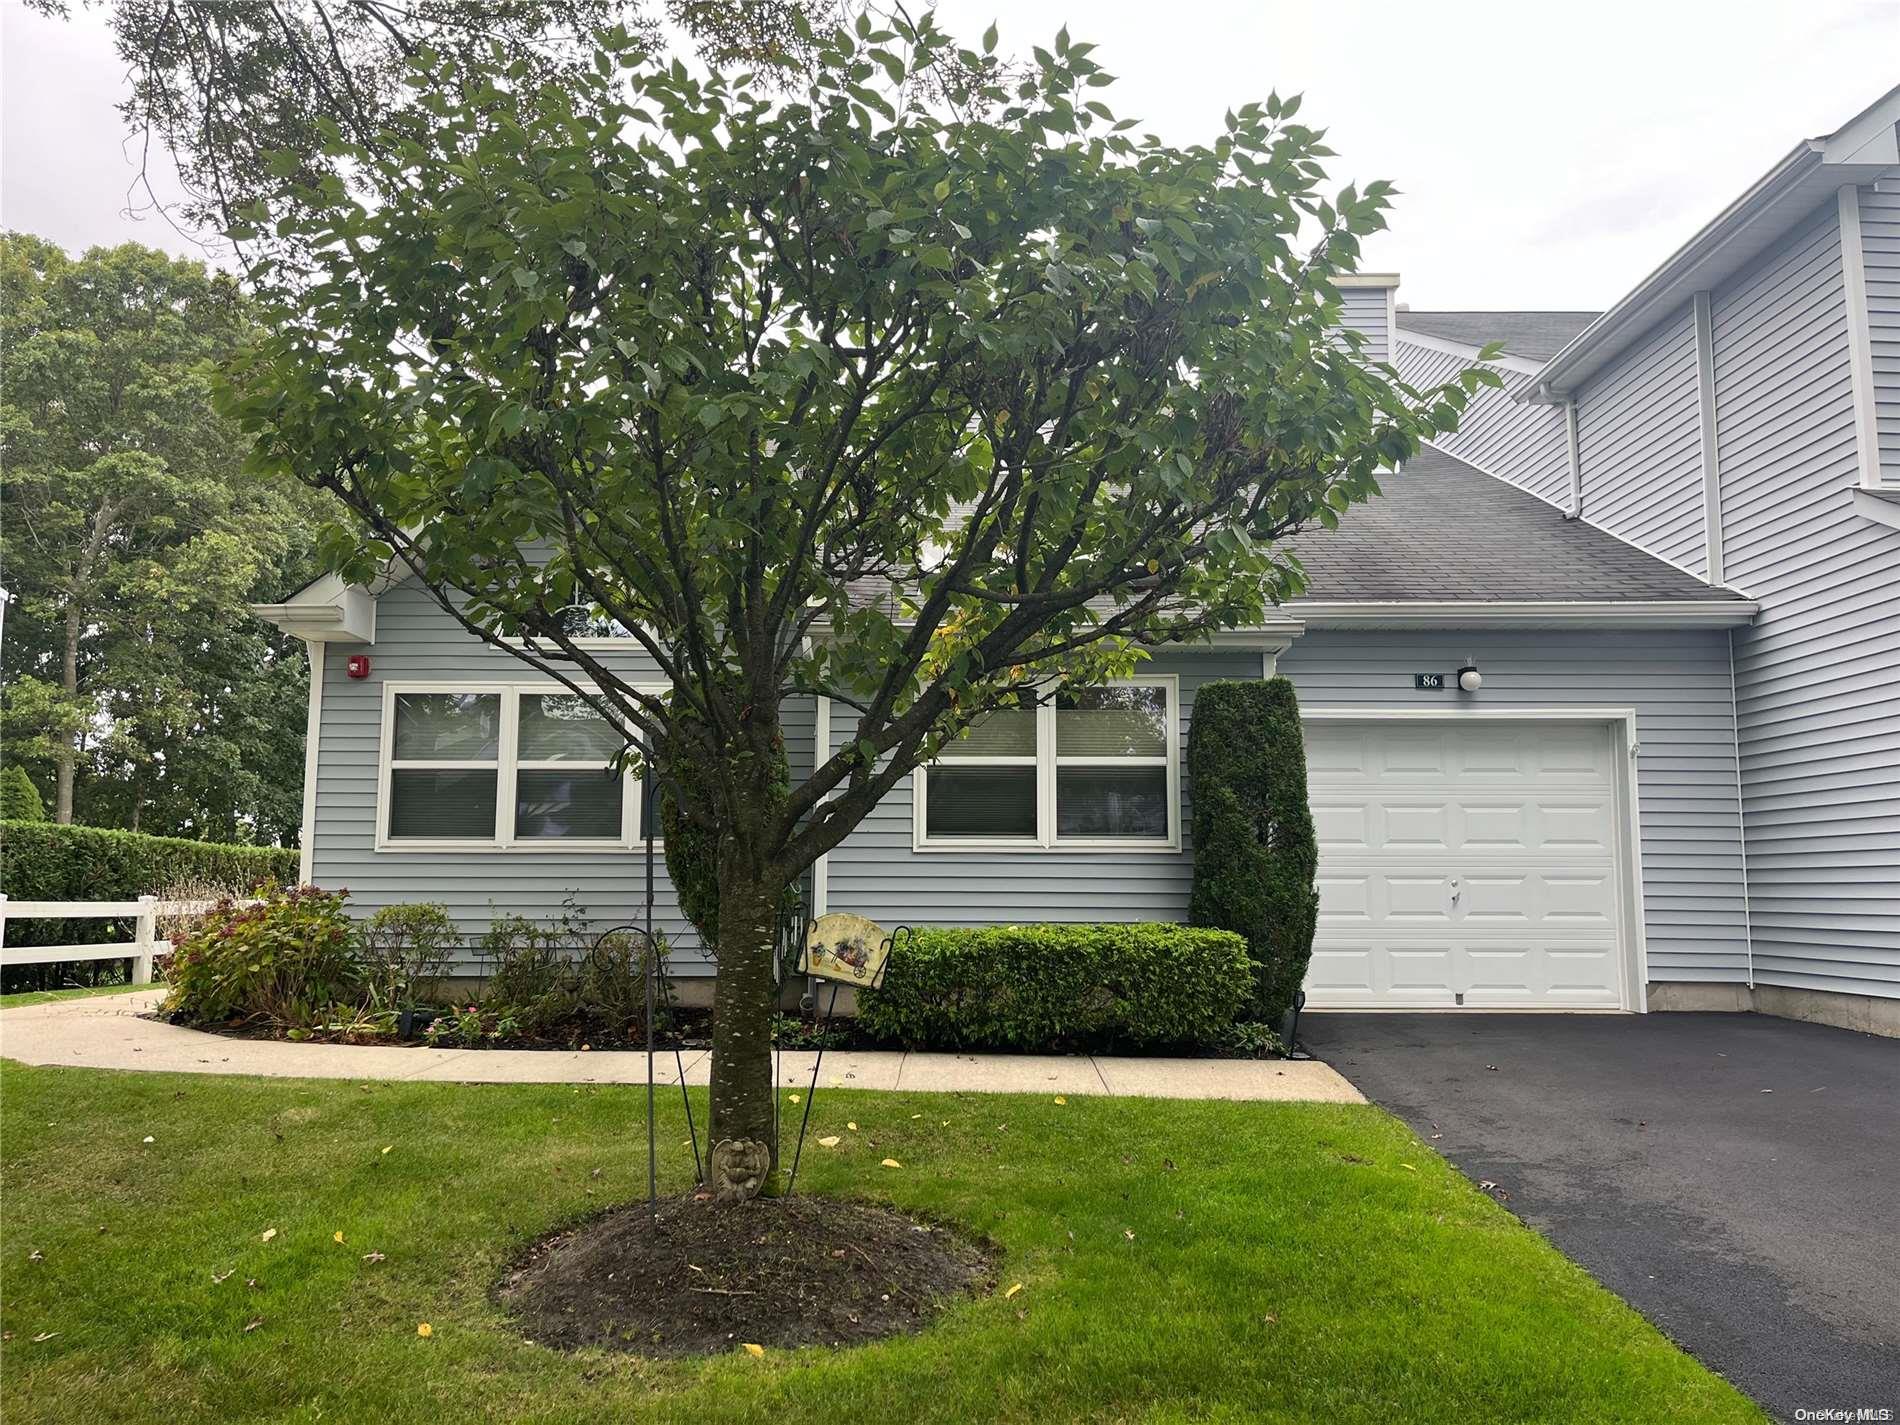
{"x": 705, "y": 1279}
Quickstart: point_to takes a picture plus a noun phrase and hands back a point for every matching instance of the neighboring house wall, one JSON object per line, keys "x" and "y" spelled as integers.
{"x": 1880, "y": 258}
{"x": 1818, "y": 675}
{"x": 1678, "y": 683}
{"x": 1522, "y": 444}
{"x": 417, "y": 642}
{"x": 876, "y": 871}
{"x": 1639, "y": 447}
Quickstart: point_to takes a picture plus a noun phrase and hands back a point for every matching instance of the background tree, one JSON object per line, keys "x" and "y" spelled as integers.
{"x": 135, "y": 681}
{"x": 225, "y": 86}
{"x": 823, "y": 395}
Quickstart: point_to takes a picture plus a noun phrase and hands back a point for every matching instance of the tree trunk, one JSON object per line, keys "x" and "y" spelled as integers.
{"x": 744, "y": 1132}
{"x": 66, "y": 759}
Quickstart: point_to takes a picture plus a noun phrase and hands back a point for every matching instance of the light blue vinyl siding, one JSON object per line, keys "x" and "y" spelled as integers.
{"x": 1499, "y": 432}
{"x": 1880, "y": 259}
{"x": 1690, "y": 833}
{"x": 1365, "y": 309}
{"x": 417, "y": 642}
{"x": 1640, "y": 449}
{"x": 1818, "y": 675}
{"x": 1678, "y": 683}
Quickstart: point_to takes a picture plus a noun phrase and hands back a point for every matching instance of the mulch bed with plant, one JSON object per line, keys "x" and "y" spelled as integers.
{"x": 295, "y": 965}
{"x": 689, "y": 1277}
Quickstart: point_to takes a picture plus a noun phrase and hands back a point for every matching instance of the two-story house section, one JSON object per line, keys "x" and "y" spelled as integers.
{"x": 1737, "y": 414}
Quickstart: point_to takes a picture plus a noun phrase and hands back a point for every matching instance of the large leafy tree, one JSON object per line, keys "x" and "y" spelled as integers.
{"x": 225, "y": 86}
{"x": 135, "y": 681}
{"x": 824, "y": 394}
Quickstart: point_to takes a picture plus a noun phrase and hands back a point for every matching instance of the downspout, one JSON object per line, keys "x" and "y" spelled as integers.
{"x": 1575, "y": 453}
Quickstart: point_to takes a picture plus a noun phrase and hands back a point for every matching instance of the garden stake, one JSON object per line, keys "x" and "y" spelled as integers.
{"x": 811, "y": 1093}
{"x": 899, "y": 936}
{"x": 646, "y": 826}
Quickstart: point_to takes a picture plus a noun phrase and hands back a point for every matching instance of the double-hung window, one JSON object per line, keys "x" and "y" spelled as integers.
{"x": 1089, "y": 768}
{"x": 499, "y": 766}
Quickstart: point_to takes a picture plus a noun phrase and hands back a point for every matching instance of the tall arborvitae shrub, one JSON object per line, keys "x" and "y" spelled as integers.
{"x": 1255, "y": 854}
{"x": 20, "y": 800}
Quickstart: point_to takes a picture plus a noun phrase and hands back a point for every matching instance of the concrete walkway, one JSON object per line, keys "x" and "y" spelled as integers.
{"x": 111, "y": 1032}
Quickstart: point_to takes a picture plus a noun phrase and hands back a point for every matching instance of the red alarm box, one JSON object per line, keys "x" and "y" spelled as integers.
{"x": 358, "y": 666}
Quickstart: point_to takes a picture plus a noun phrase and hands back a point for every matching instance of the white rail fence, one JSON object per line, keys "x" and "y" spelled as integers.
{"x": 140, "y": 950}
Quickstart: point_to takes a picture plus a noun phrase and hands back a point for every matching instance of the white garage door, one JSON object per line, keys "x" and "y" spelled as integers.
{"x": 1468, "y": 863}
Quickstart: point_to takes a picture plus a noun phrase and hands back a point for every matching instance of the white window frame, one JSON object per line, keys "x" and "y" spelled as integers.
{"x": 1045, "y": 762}
{"x": 507, "y": 765}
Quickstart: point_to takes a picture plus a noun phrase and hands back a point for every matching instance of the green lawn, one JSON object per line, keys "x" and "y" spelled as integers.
{"x": 1180, "y": 1262}
{"x": 48, "y": 996}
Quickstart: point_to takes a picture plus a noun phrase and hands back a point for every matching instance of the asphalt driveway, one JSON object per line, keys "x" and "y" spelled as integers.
{"x": 1734, "y": 1177}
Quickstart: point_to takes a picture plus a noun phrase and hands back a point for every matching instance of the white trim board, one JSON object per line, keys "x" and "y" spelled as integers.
{"x": 1522, "y": 365}
{"x": 1633, "y": 940}
{"x": 1706, "y": 433}
{"x": 1860, "y": 347}
{"x": 312, "y": 742}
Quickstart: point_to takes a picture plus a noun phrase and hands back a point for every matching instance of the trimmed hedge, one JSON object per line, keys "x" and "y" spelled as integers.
{"x": 43, "y": 861}
{"x": 1044, "y": 987}
{"x": 1255, "y": 852}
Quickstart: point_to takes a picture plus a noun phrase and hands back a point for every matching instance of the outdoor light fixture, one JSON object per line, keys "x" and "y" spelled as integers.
{"x": 1469, "y": 678}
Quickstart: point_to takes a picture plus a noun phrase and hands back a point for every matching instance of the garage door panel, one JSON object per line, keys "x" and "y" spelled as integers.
{"x": 1508, "y": 973}
{"x": 1420, "y": 972}
{"x": 1576, "y": 826}
{"x": 1532, "y": 821}
{"x": 1344, "y": 899}
{"x": 1344, "y": 825}
{"x": 1562, "y": 749}
{"x": 1582, "y": 898}
{"x": 1468, "y": 863}
{"x": 1412, "y": 899}
{"x": 1497, "y": 826}
{"x": 1414, "y": 751}
{"x": 1500, "y": 971}
{"x": 1341, "y": 972}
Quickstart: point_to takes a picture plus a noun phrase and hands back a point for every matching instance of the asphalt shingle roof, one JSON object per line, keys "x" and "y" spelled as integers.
{"x": 1535, "y": 336}
{"x": 1442, "y": 531}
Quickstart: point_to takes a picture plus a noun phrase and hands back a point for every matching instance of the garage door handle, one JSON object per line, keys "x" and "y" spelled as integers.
{"x": 1456, "y": 890}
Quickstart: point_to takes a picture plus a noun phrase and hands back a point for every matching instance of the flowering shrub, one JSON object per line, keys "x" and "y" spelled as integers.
{"x": 286, "y": 961}
{"x": 469, "y": 1026}
{"x": 410, "y": 950}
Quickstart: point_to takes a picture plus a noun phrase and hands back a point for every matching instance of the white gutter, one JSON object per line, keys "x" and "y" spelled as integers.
{"x": 1526, "y": 613}
{"x": 346, "y": 615}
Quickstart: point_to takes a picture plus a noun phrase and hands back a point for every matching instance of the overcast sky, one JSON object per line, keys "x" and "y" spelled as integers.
{"x": 1549, "y": 155}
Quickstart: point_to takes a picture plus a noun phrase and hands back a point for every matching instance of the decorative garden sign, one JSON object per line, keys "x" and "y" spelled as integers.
{"x": 845, "y": 948}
